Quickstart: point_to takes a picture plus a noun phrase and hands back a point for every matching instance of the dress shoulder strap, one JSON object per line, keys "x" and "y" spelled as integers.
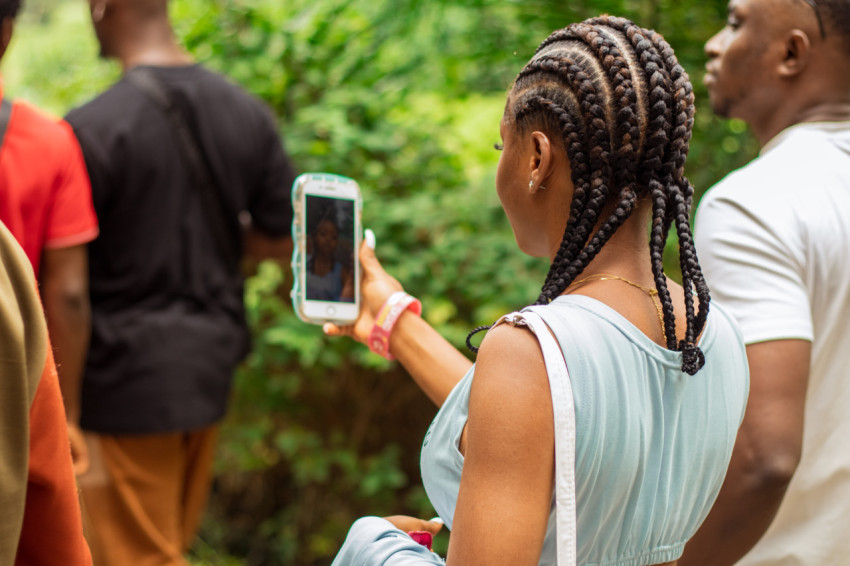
{"x": 565, "y": 431}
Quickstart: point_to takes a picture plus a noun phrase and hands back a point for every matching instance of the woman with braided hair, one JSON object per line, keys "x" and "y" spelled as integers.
{"x": 595, "y": 134}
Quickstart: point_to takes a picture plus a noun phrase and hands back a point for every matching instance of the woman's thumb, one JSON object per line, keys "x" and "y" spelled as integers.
{"x": 367, "y": 252}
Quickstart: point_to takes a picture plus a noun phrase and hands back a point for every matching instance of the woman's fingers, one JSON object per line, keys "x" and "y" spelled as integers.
{"x": 331, "y": 329}
{"x": 407, "y": 524}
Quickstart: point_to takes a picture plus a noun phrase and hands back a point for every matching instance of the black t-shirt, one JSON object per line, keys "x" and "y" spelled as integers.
{"x": 168, "y": 324}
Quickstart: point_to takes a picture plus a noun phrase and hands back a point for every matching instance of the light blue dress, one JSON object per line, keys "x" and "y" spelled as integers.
{"x": 326, "y": 287}
{"x": 652, "y": 443}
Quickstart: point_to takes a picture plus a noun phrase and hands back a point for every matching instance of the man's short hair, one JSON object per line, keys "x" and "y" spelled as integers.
{"x": 9, "y": 9}
{"x": 836, "y": 16}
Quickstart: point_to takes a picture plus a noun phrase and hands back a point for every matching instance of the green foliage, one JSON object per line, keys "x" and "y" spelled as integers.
{"x": 405, "y": 96}
{"x": 52, "y": 60}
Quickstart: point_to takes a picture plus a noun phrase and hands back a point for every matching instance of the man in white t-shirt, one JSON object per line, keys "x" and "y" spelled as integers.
{"x": 774, "y": 243}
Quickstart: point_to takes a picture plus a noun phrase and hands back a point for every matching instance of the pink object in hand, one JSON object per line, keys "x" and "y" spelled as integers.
{"x": 422, "y": 537}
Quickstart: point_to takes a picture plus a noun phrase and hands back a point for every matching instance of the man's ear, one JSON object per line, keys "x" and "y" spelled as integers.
{"x": 7, "y": 26}
{"x": 542, "y": 164}
{"x": 798, "y": 52}
{"x": 98, "y": 11}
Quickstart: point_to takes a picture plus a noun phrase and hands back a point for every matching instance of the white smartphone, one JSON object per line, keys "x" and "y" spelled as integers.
{"x": 326, "y": 233}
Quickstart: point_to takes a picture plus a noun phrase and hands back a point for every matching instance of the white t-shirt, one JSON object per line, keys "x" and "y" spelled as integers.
{"x": 774, "y": 242}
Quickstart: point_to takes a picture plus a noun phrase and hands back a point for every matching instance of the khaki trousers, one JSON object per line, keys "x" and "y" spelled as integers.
{"x": 144, "y": 495}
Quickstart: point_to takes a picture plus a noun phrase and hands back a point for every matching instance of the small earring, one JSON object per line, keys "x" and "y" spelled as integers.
{"x": 531, "y": 183}
{"x": 542, "y": 187}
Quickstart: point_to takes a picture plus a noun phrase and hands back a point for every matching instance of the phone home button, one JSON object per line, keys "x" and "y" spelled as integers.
{"x": 331, "y": 311}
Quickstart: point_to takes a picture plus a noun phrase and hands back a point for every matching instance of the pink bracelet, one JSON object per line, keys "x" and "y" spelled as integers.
{"x": 424, "y": 538}
{"x": 397, "y": 303}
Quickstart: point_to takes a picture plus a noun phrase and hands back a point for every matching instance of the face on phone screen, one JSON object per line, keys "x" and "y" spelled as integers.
{"x": 329, "y": 274}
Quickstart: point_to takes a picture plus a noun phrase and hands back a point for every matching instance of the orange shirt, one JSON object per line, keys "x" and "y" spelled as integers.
{"x": 45, "y": 194}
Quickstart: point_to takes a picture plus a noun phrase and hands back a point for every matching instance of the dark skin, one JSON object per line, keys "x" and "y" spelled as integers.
{"x": 771, "y": 68}
{"x": 7, "y": 26}
{"x": 63, "y": 278}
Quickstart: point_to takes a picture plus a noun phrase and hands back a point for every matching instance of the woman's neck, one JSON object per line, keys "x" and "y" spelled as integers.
{"x": 626, "y": 253}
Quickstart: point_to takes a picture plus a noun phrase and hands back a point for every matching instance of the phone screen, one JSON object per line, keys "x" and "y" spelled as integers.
{"x": 329, "y": 266}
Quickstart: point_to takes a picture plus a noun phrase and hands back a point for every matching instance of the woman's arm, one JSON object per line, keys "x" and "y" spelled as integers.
{"x": 506, "y": 487}
{"x": 435, "y": 365}
{"x": 509, "y": 461}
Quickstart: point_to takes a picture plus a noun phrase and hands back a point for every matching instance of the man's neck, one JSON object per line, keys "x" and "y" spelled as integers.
{"x": 838, "y": 111}
{"x": 153, "y": 46}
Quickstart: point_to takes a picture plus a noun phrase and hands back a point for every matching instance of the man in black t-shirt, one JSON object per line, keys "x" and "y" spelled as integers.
{"x": 168, "y": 325}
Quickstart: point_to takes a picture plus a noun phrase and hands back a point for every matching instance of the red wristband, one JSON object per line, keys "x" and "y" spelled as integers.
{"x": 424, "y": 538}
{"x": 397, "y": 303}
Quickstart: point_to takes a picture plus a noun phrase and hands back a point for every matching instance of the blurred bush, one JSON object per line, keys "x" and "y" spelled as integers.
{"x": 405, "y": 96}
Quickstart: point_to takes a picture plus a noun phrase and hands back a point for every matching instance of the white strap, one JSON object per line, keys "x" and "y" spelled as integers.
{"x": 565, "y": 432}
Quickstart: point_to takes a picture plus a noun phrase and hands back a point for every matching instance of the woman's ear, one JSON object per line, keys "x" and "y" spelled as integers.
{"x": 541, "y": 164}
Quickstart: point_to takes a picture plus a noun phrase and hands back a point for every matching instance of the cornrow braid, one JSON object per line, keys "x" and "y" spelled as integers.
{"x": 624, "y": 107}
{"x": 679, "y": 190}
{"x": 657, "y": 173}
{"x": 592, "y": 47}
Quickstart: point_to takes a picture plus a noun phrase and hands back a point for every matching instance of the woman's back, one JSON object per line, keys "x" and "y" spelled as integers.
{"x": 652, "y": 442}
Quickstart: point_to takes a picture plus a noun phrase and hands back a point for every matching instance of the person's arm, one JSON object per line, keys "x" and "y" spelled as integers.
{"x": 64, "y": 286}
{"x": 509, "y": 462}
{"x": 268, "y": 222}
{"x": 508, "y": 475}
{"x": 65, "y": 295}
{"x": 259, "y": 246}
{"x": 766, "y": 454}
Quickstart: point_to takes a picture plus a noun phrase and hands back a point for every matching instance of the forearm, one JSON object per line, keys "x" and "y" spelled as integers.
{"x": 435, "y": 365}
{"x": 258, "y": 246}
{"x": 69, "y": 325}
{"x": 741, "y": 515}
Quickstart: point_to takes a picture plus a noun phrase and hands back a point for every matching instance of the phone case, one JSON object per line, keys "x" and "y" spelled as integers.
{"x": 299, "y": 236}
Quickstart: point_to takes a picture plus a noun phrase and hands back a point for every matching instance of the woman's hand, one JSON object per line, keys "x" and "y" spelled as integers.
{"x": 408, "y": 524}
{"x": 435, "y": 365}
{"x": 376, "y": 285}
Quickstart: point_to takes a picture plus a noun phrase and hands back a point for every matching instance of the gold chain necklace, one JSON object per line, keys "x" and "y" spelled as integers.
{"x": 653, "y": 293}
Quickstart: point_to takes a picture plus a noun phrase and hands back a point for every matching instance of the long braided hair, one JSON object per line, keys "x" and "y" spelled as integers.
{"x": 624, "y": 108}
